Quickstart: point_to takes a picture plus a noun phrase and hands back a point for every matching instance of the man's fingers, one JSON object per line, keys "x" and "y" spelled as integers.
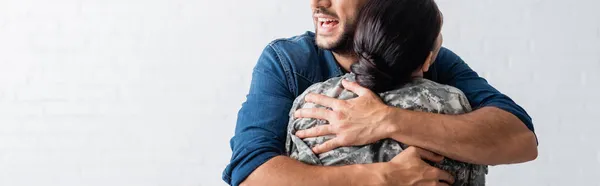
{"x": 323, "y": 100}
{"x": 438, "y": 175}
{"x": 441, "y": 184}
{"x": 327, "y": 146}
{"x": 317, "y": 131}
{"x": 355, "y": 87}
{"x": 428, "y": 155}
{"x": 444, "y": 176}
{"x": 316, "y": 113}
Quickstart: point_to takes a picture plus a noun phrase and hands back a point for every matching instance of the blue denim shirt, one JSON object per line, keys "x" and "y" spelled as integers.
{"x": 288, "y": 66}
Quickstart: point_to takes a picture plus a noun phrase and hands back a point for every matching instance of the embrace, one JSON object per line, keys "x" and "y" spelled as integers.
{"x": 372, "y": 98}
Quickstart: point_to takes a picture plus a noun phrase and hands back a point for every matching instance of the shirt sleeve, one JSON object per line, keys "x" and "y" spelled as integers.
{"x": 262, "y": 121}
{"x": 452, "y": 70}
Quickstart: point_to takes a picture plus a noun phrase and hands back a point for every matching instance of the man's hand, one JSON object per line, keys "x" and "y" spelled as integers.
{"x": 408, "y": 168}
{"x": 355, "y": 121}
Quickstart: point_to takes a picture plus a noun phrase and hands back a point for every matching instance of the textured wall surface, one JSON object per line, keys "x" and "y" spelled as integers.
{"x": 145, "y": 92}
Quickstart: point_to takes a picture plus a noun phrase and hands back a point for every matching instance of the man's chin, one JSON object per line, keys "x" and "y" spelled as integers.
{"x": 325, "y": 43}
{"x": 336, "y": 42}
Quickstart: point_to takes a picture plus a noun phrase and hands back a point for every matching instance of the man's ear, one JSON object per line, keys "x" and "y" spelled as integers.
{"x": 427, "y": 63}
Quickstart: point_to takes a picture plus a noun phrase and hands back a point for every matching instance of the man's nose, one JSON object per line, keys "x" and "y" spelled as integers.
{"x": 321, "y": 3}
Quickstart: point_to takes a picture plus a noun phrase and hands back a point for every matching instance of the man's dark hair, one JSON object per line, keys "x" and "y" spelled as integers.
{"x": 393, "y": 38}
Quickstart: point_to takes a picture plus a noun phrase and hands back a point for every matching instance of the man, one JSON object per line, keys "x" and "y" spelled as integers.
{"x": 497, "y": 132}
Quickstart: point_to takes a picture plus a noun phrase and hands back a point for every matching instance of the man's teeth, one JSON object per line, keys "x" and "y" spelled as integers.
{"x": 326, "y": 20}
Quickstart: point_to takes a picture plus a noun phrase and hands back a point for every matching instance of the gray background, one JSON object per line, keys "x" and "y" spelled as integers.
{"x": 145, "y": 92}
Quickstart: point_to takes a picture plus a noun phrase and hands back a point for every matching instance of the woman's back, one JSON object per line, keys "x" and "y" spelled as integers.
{"x": 418, "y": 95}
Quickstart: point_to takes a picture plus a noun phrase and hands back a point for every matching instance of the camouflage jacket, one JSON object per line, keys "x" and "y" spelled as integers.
{"x": 419, "y": 95}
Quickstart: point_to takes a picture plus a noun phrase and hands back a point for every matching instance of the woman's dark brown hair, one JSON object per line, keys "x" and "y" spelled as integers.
{"x": 393, "y": 39}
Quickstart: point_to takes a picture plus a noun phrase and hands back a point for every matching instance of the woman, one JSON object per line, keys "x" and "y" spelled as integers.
{"x": 395, "y": 41}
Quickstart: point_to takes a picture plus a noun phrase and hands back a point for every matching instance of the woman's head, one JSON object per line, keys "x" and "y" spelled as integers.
{"x": 393, "y": 39}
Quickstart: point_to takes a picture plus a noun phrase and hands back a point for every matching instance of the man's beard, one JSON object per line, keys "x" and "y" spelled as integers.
{"x": 342, "y": 45}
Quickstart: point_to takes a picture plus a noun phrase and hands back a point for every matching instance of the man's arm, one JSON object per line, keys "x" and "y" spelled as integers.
{"x": 498, "y": 131}
{"x": 407, "y": 168}
{"x": 258, "y": 143}
{"x": 282, "y": 170}
{"x": 487, "y": 136}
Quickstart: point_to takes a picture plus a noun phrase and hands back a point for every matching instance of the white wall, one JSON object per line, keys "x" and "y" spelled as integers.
{"x": 145, "y": 92}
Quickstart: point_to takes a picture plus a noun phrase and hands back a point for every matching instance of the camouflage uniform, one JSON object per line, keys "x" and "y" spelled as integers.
{"x": 419, "y": 95}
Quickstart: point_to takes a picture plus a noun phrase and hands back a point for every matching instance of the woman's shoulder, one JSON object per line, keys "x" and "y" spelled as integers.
{"x": 429, "y": 96}
{"x": 331, "y": 87}
{"x": 325, "y": 87}
{"x": 438, "y": 88}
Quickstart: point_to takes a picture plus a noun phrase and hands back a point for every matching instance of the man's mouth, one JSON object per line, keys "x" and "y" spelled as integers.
{"x": 326, "y": 25}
